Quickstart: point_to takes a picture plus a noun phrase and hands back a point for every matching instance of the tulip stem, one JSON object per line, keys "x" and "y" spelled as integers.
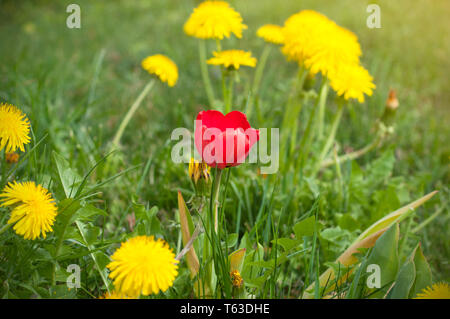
{"x": 215, "y": 197}
{"x": 204, "y": 71}
{"x": 131, "y": 112}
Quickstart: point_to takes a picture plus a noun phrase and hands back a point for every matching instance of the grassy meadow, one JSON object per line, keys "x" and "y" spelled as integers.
{"x": 76, "y": 85}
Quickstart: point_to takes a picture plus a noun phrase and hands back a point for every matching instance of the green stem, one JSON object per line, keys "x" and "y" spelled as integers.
{"x": 330, "y": 139}
{"x": 353, "y": 155}
{"x": 258, "y": 76}
{"x": 3, "y": 156}
{"x": 5, "y": 228}
{"x": 204, "y": 72}
{"x": 298, "y": 83}
{"x": 321, "y": 116}
{"x": 229, "y": 100}
{"x": 215, "y": 197}
{"x": 224, "y": 89}
{"x": 102, "y": 275}
{"x": 211, "y": 228}
{"x": 131, "y": 112}
{"x": 288, "y": 119}
{"x": 61, "y": 236}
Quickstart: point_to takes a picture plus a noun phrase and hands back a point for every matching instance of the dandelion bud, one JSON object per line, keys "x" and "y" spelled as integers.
{"x": 390, "y": 109}
{"x": 392, "y": 101}
{"x": 12, "y": 158}
{"x": 199, "y": 173}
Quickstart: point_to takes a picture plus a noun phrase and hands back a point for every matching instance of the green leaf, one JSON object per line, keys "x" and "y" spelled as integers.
{"x": 68, "y": 178}
{"x": 404, "y": 280}
{"x": 382, "y": 167}
{"x": 187, "y": 229}
{"x": 423, "y": 273}
{"x": 287, "y": 243}
{"x": 232, "y": 240}
{"x": 332, "y": 233}
{"x": 348, "y": 222}
{"x": 67, "y": 210}
{"x": 87, "y": 212}
{"x": 305, "y": 227}
{"x": 385, "y": 255}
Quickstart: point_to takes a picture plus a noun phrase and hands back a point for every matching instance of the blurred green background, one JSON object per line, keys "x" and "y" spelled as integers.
{"x": 76, "y": 85}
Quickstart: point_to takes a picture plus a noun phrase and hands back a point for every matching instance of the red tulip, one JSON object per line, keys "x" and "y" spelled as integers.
{"x": 224, "y": 140}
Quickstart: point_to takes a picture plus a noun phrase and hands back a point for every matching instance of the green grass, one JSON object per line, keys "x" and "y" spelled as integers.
{"x": 76, "y": 85}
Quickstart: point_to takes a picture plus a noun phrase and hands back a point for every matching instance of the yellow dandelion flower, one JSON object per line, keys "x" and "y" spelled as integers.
{"x": 34, "y": 209}
{"x": 319, "y": 43}
{"x": 233, "y": 59}
{"x": 214, "y": 20}
{"x": 271, "y": 33}
{"x": 115, "y": 295}
{"x": 300, "y": 30}
{"x": 144, "y": 266}
{"x": 352, "y": 81}
{"x": 338, "y": 46}
{"x": 163, "y": 67}
{"x": 436, "y": 291}
{"x": 14, "y": 128}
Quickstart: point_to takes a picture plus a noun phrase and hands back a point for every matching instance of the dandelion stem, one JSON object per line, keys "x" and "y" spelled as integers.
{"x": 305, "y": 142}
{"x": 331, "y": 137}
{"x": 3, "y": 157}
{"x": 288, "y": 119}
{"x": 320, "y": 120}
{"x": 353, "y": 155}
{"x": 258, "y": 76}
{"x": 130, "y": 113}
{"x": 229, "y": 95}
{"x": 5, "y": 228}
{"x": 204, "y": 71}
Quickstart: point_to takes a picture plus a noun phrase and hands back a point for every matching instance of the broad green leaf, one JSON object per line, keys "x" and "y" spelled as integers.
{"x": 287, "y": 243}
{"x": 394, "y": 216}
{"x": 88, "y": 211}
{"x": 404, "y": 280}
{"x": 333, "y": 233}
{"x": 305, "y": 227}
{"x": 187, "y": 228}
{"x": 232, "y": 240}
{"x": 68, "y": 177}
{"x": 385, "y": 255}
{"x": 382, "y": 167}
{"x": 251, "y": 271}
{"x": 67, "y": 210}
{"x": 348, "y": 222}
{"x": 423, "y": 273}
